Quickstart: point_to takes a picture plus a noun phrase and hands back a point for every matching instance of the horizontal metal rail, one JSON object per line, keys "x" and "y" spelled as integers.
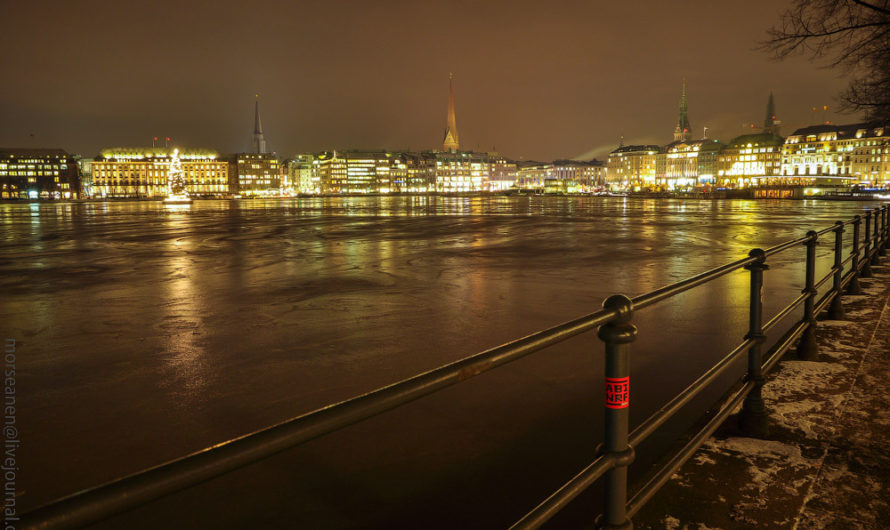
{"x": 613, "y": 322}
{"x": 662, "y": 415}
{"x": 649, "y": 490}
{"x": 785, "y": 312}
{"x": 565, "y": 494}
{"x": 658, "y": 295}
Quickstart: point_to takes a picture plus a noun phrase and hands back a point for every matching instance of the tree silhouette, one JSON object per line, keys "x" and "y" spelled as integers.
{"x": 849, "y": 34}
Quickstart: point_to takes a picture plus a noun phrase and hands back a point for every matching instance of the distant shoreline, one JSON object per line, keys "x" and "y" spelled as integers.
{"x": 718, "y": 195}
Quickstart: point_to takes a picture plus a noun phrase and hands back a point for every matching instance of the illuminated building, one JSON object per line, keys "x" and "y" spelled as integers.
{"x": 142, "y": 172}
{"x": 838, "y": 155}
{"x": 503, "y": 173}
{"x": 451, "y": 141}
{"x": 421, "y": 172}
{"x": 532, "y": 175}
{"x": 257, "y": 173}
{"x": 360, "y": 172}
{"x": 38, "y": 174}
{"x": 301, "y": 175}
{"x": 688, "y": 164}
{"x": 751, "y": 160}
{"x": 632, "y": 166}
{"x": 682, "y": 130}
{"x": 462, "y": 172}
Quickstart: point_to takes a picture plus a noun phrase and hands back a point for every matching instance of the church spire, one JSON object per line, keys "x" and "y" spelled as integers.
{"x": 259, "y": 142}
{"x": 681, "y": 132}
{"x": 451, "y": 142}
{"x": 769, "y": 124}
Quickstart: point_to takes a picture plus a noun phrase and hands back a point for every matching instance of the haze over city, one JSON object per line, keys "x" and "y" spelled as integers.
{"x": 533, "y": 80}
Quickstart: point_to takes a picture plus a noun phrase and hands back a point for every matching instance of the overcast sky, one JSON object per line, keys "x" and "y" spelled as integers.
{"x": 534, "y": 79}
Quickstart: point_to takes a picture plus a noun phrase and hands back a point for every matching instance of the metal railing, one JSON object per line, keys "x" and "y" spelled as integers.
{"x": 615, "y": 329}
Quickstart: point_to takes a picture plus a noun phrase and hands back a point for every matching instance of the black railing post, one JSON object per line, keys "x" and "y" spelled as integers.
{"x": 853, "y": 286}
{"x": 866, "y": 254}
{"x": 836, "y": 309}
{"x": 617, "y": 334}
{"x": 885, "y": 211}
{"x": 752, "y": 418}
{"x": 807, "y": 348}
{"x": 876, "y": 244}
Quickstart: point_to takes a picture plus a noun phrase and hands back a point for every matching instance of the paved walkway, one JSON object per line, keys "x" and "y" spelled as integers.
{"x": 826, "y": 461}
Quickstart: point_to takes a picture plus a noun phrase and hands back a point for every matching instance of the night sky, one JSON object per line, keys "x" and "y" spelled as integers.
{"x": 535, "y": 80}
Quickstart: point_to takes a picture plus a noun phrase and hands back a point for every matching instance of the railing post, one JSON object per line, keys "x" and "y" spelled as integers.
{"x": 752, "y": 418}
{"x": 836, "y": 309}
{"x": 885, "y": 210}
{"x": 807, "y": 348}
{"x": 866, "y": 265}
{"x": 853, "y": 286}
{"x": 617, "y": 334}
{"x": 879, "y": 213}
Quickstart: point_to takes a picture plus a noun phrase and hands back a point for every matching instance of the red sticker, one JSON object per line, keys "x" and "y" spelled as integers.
{"x": 617, "y": 392}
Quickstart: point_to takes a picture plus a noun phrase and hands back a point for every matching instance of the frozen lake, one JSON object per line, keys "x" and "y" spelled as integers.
{"x": 145, "y": 333}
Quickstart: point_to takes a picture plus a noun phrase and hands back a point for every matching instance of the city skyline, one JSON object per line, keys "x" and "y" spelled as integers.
{"x": 525, "y": 98}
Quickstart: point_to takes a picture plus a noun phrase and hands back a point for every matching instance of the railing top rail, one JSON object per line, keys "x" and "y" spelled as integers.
{"x": 652, "y": 297}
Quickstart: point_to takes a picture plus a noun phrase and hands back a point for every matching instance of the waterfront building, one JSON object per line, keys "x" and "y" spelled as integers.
{"x": 257, "y": 173}
{"x": 751, "y": 160}
{"x": 38, "y": 174}
{"x": 577, "y": 175}
{"x": 632, "y": 166}
{"x": 301, "y": 175}
{"x": 360, "y": 172}
{"x": 503, "y": 173}
{"x": 531, "y": 175}
{"x": 837, "y": 155}
{"x": 462, "y": 172}
{"x": 451, "y": 141}
{"x": 421, "y": 172}
{"x": 687, "y": 164}
{"x": 141, "y": 172}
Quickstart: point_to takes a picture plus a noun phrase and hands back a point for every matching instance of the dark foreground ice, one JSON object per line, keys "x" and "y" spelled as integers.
{"x": 144, "y": 333}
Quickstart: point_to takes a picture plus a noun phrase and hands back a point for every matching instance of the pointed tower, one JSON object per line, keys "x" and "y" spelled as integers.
{"x": 452, "y": 142}
{"x": 769, "y": 124}
{"x": 681, "y": 131}
{"x": 259, "y": 142}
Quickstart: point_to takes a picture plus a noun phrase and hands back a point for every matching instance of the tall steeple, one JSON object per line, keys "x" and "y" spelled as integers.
{"x": 681, "y": 131}
{"x": 259, "y": 142}
{"x": 769, "y": 124}
{"x": 452, "y": 142}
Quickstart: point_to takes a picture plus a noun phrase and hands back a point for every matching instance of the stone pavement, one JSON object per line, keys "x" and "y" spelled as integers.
{"x": 826, "y": 460}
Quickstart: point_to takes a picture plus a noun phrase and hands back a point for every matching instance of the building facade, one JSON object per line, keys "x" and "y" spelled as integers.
{"x": 141, "y": 172}
{"x": 632, "y": 166}
{"x": 688, "y": 164}
{"x": 837, "y": 155}
{"x": 257, "y": 174}
{"x": 462, "y": 172}
{"x": 38, "y": 174}
{"x": 751, "y": 160}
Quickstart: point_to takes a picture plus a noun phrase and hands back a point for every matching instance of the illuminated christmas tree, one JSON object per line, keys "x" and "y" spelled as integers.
{"x": 175, "y": 180}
